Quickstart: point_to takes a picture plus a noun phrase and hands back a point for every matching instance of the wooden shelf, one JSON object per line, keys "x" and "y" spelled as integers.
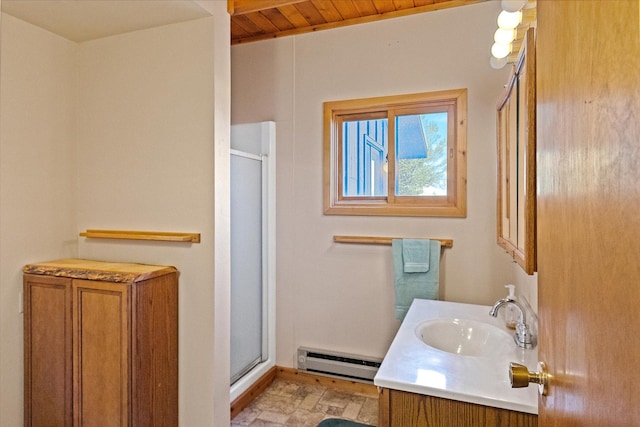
{"x": 370, "y": 240}
{"x": 142, "y": 235}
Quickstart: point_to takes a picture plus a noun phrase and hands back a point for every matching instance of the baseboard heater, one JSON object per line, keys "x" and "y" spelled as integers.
{"x": 339, "y": 365}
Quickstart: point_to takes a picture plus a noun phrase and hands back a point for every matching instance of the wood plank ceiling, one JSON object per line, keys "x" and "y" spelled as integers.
{"x": 253, "y": 20}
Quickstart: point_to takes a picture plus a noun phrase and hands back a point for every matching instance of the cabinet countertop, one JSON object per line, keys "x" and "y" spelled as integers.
{"x": 119, "y": 272}
{"x": 411, "y": 365}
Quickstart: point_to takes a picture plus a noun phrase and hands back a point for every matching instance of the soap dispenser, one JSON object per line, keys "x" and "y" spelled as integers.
{"x": 510, "y": 312}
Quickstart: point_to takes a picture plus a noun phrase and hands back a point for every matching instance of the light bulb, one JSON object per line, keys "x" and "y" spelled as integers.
{"x": 498, "y": 63}
{"x": 513, "y": 5}
{"x": 499, "y": 50}
{"x": 509, "y": 20}
{"x": 504, "y": 36}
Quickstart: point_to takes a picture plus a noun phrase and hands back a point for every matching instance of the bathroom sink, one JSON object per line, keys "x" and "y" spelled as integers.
{"x": 465, "y": 337}
{"x": 457, "y": 351}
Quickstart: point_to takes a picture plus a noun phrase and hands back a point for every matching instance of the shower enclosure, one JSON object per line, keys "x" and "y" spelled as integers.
{"x": 252, "y": 253}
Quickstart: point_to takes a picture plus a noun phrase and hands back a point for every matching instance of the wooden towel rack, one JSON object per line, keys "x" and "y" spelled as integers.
{"x": 143, "y": 235}
{"x": 370, "y": 240}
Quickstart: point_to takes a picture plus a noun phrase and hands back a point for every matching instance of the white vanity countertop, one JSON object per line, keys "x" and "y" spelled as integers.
{"x": 411, "y": 365}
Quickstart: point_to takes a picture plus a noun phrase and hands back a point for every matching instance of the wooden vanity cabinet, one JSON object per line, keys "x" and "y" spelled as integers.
{"x": 100, "y": 344}
{"x": 404, "y": 409}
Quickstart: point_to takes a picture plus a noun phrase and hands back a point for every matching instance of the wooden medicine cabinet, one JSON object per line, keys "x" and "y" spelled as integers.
{"x": 516, "y": 119}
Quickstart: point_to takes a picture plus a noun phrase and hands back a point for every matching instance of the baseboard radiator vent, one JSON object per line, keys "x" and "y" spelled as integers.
{"x": 341, "y": 365}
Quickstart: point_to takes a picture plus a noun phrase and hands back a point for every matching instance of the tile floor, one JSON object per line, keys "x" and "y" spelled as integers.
{"x": 293, "y": 404}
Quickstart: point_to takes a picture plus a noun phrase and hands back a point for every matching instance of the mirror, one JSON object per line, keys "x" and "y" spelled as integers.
{"x": 516, "y": 207}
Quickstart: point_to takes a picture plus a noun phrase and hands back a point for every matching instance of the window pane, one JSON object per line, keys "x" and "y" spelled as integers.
{"x": 421, "y": 154}
{"x": 420, "y": 138}
{"x": 364, "y": 158}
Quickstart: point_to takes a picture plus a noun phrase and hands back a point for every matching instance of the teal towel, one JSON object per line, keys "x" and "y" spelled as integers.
{"x": 336, "y": 422}
{"x": 409, "y": 286}
{"x": 415, "y": 255}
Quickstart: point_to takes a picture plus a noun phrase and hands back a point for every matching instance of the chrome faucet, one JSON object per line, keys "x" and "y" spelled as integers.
{"x": 523, "y": 337}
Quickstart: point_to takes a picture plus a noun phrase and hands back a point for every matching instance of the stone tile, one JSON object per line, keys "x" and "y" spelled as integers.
{"x": 304, "y": 391}
{"x": 335, "y": 411}
{"x": 310, "y": 401}
{"x": 369, "y": 412}
{"x": 283, "y": 388}
{"x": 245, "y": 417}
{"x": 353, "y": 408}
{"x": 312, "y": 388}
{"x": 262, "y": 423}
{"x": 275, "y": 403}
{"x": 336, "y": 398}
{"x": 320, "y": 408}
{"x": 304, "y": 418}
{"x": 273, "y": 417}
{"x": 290, "y": 404}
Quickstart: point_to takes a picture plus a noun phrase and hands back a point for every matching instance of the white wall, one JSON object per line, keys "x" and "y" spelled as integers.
{"x": 338, "y": 296}
{"x": 126, "y": 132}
{"x": 221, "y": 215}
{"x": 526, "y": 286}
{"x": 37, "y": 176}
{"x": 145, "y": 162}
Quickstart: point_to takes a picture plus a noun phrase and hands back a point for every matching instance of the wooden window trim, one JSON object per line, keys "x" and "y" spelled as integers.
{"x": 452, "y": 205}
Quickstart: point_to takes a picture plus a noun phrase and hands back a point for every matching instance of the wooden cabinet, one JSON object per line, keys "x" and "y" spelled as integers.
{"x": 516, "y": 208}
{"x": 404, "y": 409}
{"x": 100, "y": 344}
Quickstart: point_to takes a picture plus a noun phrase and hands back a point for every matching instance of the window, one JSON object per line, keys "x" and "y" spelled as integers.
{"x": 397, "y": 155}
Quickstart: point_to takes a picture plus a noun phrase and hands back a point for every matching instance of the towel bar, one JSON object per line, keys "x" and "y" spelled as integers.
{"x": 143, "y": 235}
{"x": 445, "y": 243}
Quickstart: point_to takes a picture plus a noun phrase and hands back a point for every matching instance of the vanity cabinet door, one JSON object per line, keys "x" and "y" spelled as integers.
{"x": 404, "y": 409}
{"x": 101, "y": 324}
{"x": 47, "y": 351}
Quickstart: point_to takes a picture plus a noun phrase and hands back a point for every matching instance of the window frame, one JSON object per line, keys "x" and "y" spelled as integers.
{"x": 454, "y": 204}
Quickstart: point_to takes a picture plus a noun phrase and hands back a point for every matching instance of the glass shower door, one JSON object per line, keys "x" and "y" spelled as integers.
{"x": 247, "y": 325}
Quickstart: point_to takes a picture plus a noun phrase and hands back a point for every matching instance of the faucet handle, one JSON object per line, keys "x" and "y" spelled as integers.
{"x": 523, "y": 337}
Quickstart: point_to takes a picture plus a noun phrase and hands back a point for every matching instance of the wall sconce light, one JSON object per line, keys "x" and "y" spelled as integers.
{"x": 499, "y": 50}
{"x": 504, "y": 36}
{"x": 513, "y": 5}
{"x": 498, "y": 63}
{"x": 508, "y": 20}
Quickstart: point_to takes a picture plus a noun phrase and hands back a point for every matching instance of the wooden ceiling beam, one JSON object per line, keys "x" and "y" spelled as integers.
{"x": 317, "y": 26}
{"x": 241, "y": 7}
